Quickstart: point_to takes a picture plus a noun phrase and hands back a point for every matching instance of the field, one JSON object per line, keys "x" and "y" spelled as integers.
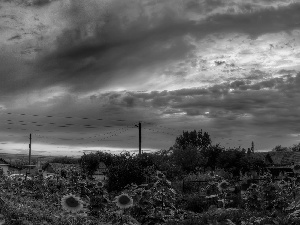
{"x": 218, "y": 200}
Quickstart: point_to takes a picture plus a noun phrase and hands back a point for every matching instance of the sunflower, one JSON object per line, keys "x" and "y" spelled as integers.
{"x": 100, "y": 184}
{"x": 124, "y": 201}
{"x": 223, "y": 185}
{"x": 282, "y": 183}
{"x": 160, "y": 175}
{"x": 19, "y": 179}
{"x": 296, "y": 168}
{"x": 254, "y": 186}
{"x": 71, "y": 203}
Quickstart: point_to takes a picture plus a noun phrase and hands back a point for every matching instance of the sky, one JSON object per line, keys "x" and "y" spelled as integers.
{"x": 79, "y": 75}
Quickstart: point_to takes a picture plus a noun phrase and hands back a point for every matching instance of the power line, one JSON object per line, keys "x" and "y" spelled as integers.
{"x": 36, "y": 123}
{"x": 104, "y": 136}
{"x": 64, "y": 117}
{"x": 159, "y": 131}
{"x": 70, "y": 124}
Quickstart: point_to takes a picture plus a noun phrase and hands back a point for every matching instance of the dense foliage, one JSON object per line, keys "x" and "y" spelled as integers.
{"x": 196, "y": 139}
{"x": 127, "y": 169}
{"x": 194, "y": 182}
{"x": 217, "y": 201}
{"x": 294, "y": 148}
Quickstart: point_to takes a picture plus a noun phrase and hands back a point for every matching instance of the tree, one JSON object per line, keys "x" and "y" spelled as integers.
{"x": 252, "y": 147}
{"x": 236, "y": 161}
{"x": 279, "y": 148}
{"x": 295, "y": 148}
{"x": 106, "y": 158}
{"x": 198, "y": 140}
{"x": 127, "y": 169}
{"x": 249, "y": 152}
{"x": 164, "y": 161}
{"x": 90, "y": 163}
{"x": 269, "y": 159}
{"x": 189, "y": 158}
{"x": 233, "y": 160}
{"x": 211, "y": 155}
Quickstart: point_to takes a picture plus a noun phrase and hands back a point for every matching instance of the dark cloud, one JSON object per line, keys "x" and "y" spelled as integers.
{"x": 118, "y": 50}
{"x": 99, "y": 49}
{"x": 32, "y": 2}
{"x": 265, "y": 103}
{"x": 230, "y": 109}
{"x": 15, "y": 37}
{"x": 16, "y": 75}
{"x": 40, "y": 2}
{"x": 131, "y": 43}
{"x": 121, "y": 55}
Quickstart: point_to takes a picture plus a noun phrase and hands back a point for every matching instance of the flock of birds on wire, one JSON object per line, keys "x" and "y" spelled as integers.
{"x": 38, "y": 125}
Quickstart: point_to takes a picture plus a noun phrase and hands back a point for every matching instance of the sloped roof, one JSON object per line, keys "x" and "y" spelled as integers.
{"x": 101, "y": 169}
{"x": 102, "y": 165}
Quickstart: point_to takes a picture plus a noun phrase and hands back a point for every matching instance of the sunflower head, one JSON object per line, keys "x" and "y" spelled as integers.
{"x": 160, "y": 175}
{"x": 124, "y": 201}
{"x": 223, "y": 185}
{"x": 19, "y": 180}
{"x": 71, "y": 203}
{"x": 254, "y": 186}
{"x": 99, "y": 184}
{"x": 296, "y": 168}
{"x": 282, "y": 183}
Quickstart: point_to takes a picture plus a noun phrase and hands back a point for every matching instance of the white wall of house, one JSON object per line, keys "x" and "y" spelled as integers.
{"x": 99, "y": 177}
{"x": 4, "y": 168}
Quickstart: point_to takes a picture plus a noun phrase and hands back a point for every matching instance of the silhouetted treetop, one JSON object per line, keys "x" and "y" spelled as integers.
{"x": 199, "y": 140}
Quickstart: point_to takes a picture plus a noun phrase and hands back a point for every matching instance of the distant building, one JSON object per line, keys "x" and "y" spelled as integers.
{"x": 101, "y": 172}
{"x": 8, "y": 169}
{"x": 57, "y": 168}
{"x": 4, "y": 166}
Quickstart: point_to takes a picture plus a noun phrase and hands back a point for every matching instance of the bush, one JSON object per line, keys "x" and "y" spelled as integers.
{"x": 195, "y": 203}
{"x": 127, "y": 169}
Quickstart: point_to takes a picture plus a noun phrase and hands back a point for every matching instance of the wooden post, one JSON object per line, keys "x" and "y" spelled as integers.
{"x": 140, "y": 138}
{"x": 29, "y": 152}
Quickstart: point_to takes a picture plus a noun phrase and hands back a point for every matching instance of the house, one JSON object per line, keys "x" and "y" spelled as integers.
{"x": 57, "y": 168}
{"x": 31, "y": 169}
{"x": 100, "y": 173}
{"x": 8, "y": 169}
{"x": 4, "y": 166}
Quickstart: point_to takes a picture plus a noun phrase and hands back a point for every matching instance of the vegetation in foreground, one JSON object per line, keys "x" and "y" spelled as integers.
{"x": 138, "y": 193}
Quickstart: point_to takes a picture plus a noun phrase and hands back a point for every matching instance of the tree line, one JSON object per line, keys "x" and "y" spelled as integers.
{"x": 192, "y": 152}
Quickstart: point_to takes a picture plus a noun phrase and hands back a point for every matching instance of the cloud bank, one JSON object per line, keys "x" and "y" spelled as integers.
{"x": 231, "y": 66}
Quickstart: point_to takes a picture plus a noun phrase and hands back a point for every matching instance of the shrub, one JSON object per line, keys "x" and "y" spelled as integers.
{"x": 127, "y": 169}
{"x": 195, "y": 203}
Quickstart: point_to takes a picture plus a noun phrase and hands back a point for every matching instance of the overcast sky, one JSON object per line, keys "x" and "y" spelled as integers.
{"x": 80, "y": 74}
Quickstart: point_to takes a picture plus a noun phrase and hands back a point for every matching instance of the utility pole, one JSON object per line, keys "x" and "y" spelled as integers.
{"x": 140, "y": 138}
{"x": 29, "y": 151}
